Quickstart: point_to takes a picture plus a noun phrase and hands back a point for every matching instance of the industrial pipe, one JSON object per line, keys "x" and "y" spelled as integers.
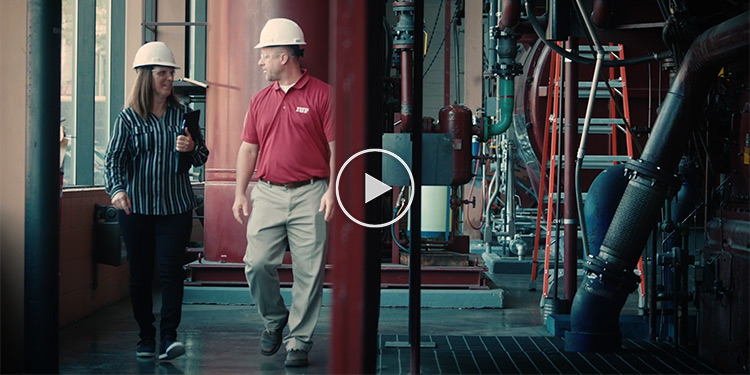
{"x": 510, "y": 16}
{"x": 573, "y": 199}
{"x": 491, "y": 41}
{"x": 609, "y": 277}
{"x": 602, "y": 9}
{"x": 406, "y": 90}
{"x": 504, "y": 104}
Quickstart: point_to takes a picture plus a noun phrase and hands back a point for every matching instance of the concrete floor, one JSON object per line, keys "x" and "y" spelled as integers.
{"x": 223, "y": 339}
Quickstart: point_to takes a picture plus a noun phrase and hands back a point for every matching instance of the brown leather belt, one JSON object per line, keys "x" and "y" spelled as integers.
{"x": 291, "y": 185}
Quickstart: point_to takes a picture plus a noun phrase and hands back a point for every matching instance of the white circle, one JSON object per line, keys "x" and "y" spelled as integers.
{"x": 411, "y": 193}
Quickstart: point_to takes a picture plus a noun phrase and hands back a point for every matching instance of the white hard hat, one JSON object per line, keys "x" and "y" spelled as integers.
{"x": 281, "y": 32}
{"x": 154, "y": 53}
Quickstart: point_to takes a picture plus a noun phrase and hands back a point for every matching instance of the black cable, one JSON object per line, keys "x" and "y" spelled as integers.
{"x": 453, "y": 19}
{"x": 434, "y": 26}
{"x": 582, "y": 60}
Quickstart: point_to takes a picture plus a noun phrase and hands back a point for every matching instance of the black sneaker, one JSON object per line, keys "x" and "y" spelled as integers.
{"x": 170, "y": 349}
{"x": 146, "y": 348}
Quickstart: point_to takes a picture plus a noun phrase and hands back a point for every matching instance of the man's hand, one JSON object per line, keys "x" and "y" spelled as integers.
{"x": 326, "y": 204}
{"x": 240, "y": 208}
{"x": 121, "y": 201}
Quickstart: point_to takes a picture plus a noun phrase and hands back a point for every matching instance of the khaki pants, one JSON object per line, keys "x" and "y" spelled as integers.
{"x": 282, "y": 216}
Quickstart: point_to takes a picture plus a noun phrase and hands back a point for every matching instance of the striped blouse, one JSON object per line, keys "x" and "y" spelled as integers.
{"x": 142, "y": 161}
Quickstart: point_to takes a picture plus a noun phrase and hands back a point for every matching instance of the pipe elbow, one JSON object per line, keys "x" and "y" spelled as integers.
{"x": 506, "y": 98}
{"x": 511, "y": 15}
{"x": 503, "y": 125}
{"x": 602, "y": 10}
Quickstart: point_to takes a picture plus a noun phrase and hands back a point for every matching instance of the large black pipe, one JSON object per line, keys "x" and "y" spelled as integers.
{"x": 609, "y": 277}
{"x": 42, "y": 219}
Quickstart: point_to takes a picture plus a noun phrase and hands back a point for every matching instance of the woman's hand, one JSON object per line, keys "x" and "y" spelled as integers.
{"x": 185, "y": 142}
{"x": 121, "y": 201}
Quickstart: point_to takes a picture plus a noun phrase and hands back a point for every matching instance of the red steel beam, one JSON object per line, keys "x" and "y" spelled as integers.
{"x": 392, "y": 276}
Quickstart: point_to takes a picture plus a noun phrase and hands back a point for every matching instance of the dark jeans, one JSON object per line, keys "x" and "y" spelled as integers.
{"x": 167, "y": 237}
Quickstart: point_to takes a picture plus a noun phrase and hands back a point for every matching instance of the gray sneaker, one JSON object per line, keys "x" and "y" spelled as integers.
{"x": 296, "y": 358}
{"x": 270, "y": 341}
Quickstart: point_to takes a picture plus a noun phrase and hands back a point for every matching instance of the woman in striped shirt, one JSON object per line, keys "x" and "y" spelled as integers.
{"x": 154, "y": 202}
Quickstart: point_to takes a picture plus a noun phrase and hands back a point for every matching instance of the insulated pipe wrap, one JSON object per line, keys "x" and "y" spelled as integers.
{"x": 638, "y": 209}
{"x": 632, "y": 223}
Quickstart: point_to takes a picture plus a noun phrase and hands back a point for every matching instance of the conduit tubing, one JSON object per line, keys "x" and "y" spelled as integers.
{"x": 572, "y": 197}
{"x": 609, "y": 277}
{"x": 586, "y": 123}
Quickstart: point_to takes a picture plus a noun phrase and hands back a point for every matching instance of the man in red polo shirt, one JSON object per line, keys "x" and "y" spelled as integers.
{"x": 289, "y": 136}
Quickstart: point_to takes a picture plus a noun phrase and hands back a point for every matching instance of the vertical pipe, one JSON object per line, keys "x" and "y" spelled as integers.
{"x": 355, "y": 70}
{"x": 559, "y": 141}
{"x": 652, "y": 285}
{"x": 447, "y": 53}
{"x": 406, "y": 89}
{"x": 415, "y": 262}
{"x": 510, "y": 187}
{"x": 42, "y": 221}
{"x": 684, "y": 290}
{"x": 491, "y": 47}
{"x": 570, "y": 222}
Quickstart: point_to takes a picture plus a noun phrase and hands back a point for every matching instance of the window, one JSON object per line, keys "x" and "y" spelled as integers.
{"x": 67, "y": 82}
{"x": 101, "y": 89}
{"x": 87, "y": 83}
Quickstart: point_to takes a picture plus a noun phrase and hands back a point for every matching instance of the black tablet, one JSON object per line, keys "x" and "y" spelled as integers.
{"x": 190, "y": 121}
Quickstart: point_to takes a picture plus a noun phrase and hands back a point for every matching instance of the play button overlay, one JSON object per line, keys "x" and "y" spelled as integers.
{"x": 374, "y": 187}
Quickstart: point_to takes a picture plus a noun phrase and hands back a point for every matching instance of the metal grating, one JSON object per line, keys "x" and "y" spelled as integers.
{"x": 534, "y": 355}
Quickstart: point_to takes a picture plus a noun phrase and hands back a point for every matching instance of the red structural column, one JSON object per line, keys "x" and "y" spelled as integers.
{"x": 356, "y": 60}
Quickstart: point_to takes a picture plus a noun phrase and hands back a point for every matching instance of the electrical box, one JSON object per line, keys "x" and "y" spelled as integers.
{"x": 437, "y": 159}
{"x": 109, "y": 247}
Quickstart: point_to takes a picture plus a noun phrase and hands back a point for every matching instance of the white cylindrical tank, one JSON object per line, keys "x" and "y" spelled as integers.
{"x": 435, "y": 212}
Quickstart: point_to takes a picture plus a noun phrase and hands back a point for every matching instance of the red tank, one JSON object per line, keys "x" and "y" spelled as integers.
{"x": 233, "y": 76}
{"x": 456, "y": 121}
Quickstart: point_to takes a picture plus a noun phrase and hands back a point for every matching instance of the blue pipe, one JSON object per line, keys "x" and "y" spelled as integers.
{"x": 601, "y": 202}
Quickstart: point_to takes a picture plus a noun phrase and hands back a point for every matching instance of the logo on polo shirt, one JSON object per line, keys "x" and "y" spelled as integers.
{"x": 303, "y": 109}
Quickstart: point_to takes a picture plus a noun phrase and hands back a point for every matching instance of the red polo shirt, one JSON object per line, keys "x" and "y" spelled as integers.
{"x": 292, "y": 129}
